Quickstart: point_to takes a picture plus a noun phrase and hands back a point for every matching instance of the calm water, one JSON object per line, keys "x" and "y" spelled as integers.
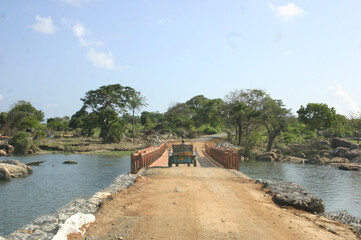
{"x": 340, "y": 190}
{"x": 53, "y": 185}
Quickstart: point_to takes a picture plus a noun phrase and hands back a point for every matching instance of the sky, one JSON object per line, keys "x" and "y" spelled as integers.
{"x": 53, "y": 51}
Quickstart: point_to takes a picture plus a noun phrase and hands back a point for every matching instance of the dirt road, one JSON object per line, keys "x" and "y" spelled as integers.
{"x": 203, "y": 203}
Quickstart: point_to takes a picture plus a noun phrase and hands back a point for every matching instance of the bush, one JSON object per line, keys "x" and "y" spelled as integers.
{"x": 114, "y": 134}
{"x": 20, "y": 142}
{"x": 208, "y": 129}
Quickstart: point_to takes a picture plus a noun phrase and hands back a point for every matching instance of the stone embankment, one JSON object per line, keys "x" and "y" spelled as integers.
{"x": 346, "y": 218}
{"x": 47, "y": 226}
{"x": 10, "y": 168}
{"x": 291, "y": 194}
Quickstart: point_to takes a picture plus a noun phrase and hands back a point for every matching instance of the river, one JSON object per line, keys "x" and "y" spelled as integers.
{"x": 54, "y": 184}
{"x": 340, "y": 190}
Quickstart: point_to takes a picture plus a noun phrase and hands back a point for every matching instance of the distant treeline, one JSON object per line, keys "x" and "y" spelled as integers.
{"x": 248, "y": 117}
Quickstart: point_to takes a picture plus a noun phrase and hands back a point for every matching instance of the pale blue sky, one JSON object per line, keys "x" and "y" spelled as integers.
{"x": 53, "y": 51}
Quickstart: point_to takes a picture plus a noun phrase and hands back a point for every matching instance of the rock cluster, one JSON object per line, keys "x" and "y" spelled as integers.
{"x": 46, "y": 226}
{"x": 340, "y": 153}
{"x": 226, "y": 145}
{"x": 291, "y": 194}
{"x": 10, "y": 168}
{"x": 346, "y": 218}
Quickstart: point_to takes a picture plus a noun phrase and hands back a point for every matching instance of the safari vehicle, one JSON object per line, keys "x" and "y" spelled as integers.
{"x": 182, "y": 154}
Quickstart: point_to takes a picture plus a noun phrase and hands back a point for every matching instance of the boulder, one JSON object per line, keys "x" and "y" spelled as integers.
{"x": 339, "y": 152}
{"x": 8, "y": 148}
{"x": 4, "y": 173}
{"x": 338, "y": 160}
{"x": 3, "y": 153}
{"x": 350, "y": 167}
{"x": 338, "y": 142}
{"x": 293, "y": 159}
{"x": 267, "y": 156}
{"x": 35, "y": 163}
{"x": 70, "y": 162}
{"x": 14, "y": 170}
{"x": 355, "y": 153}
{"x": 315, "y": 158}
{"x": 356, "y": 160}
{"x": 17, "y": 163}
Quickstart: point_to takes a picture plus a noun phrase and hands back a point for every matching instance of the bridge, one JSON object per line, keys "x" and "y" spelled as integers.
{"x": 210, "y": 201}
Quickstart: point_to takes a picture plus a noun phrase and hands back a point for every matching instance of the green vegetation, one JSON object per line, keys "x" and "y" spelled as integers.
{"x": 20, "y": 141}
{"x": 112, "y": 114}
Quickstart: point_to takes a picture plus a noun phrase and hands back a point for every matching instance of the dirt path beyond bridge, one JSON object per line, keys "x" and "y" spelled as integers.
{"x": 203, "y": 203}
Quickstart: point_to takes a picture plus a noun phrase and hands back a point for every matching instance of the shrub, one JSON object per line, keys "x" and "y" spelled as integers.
{"x": 208, "y": 129}
{"x": 20, "y": 142}
{"x": 114, "y": 134}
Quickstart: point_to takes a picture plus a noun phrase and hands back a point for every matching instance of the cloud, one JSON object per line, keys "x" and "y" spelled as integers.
{"x": 75, "y": 2}
{"x": 103, "y": 60}
{"x": 81, "y": 32}
{"x": 287, "y": 12}
{"x": 44, "y": 25}
{"x": 1, "y": 97}
{"x": 344, "y": 101}
{"x": 289, "y": 52}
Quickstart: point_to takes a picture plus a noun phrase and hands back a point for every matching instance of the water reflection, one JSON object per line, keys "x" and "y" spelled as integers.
{"x": 341, "y": 190}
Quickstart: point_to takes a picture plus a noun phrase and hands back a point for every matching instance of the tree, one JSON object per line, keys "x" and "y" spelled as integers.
{"x": 317, "y": 116}
{"x": 22, "y": 116}
{"x": 242, "y": 109}
{"x": 57, "y": 123}
{"x": 135, "y": 102}
{"x": 274, "y": 117}
{"x": 206, "y": 111}
{"x": 106, "y": 103}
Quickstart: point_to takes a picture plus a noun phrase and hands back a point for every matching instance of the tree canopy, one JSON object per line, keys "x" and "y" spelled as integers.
{"x": 317, "y": 116}
{"x": 22, "y": 116}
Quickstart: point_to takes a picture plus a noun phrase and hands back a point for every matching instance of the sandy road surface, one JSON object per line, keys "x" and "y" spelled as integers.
{"x": 203, "y": 203}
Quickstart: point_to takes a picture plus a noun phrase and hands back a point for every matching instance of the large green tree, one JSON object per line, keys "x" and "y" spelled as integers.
{"x": 242, "y": 109}
{"x": 22, "y": 116}
{"x": 317, "y": 116}
{"x": 107, "y": 102}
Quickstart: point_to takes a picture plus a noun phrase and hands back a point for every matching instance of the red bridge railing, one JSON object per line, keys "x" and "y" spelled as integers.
{"x": 227, "y": 158}
{"x": 145, "y": 157}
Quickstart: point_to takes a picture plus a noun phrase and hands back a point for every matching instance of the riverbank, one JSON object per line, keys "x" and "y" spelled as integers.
{"x": 46, "y": 226}
{"x": 290, "y": 194}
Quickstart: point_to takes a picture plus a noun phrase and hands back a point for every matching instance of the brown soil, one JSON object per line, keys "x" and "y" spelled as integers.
{"x": 203, "y": 203}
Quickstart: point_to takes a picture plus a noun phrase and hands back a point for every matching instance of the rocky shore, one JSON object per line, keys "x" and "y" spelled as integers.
{"x": 346, "y": 218}
{"x": 338, "y": 152}
{"x": 290, "y": 194}
{"x": 46, "y": 226}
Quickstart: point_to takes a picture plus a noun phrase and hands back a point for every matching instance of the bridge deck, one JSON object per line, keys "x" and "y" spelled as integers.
{"x": 202, "y": 161}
